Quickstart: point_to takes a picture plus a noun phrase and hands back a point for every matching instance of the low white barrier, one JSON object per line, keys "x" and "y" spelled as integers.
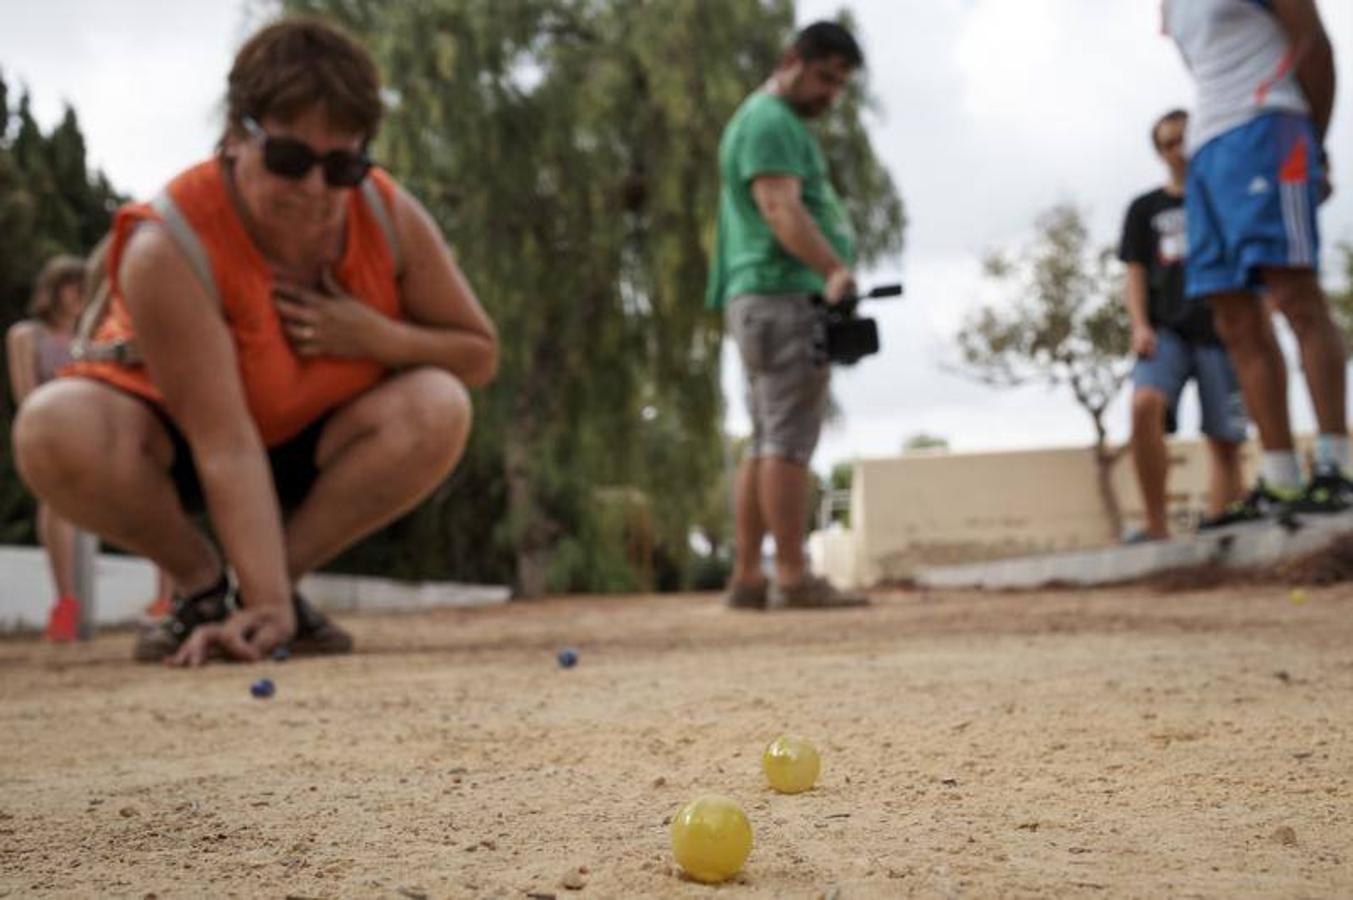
{"x": 123, "y": 586}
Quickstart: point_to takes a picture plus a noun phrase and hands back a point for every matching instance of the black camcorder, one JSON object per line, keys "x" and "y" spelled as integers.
{"x": 843, "y": 336}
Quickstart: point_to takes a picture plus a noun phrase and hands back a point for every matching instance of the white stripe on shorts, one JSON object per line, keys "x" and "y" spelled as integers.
{"x": 1302, "y": 195}
{"x": 1296, "y": 221}
{"x": 1289, "y": 222}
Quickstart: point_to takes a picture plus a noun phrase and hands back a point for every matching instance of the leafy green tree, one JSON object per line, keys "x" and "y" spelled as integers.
{"x": 1064, "y": 324}
{"x": 49, "y": 203}
{"x": 568, "y": 149}
{"x": 838, "y": 483}
{"x": 841, "y": 476}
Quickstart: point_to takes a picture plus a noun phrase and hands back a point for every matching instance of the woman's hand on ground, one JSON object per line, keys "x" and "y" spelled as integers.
{"x": 248, "y": 635}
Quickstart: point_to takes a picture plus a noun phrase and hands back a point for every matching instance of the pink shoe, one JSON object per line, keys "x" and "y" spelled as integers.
{"x": 63, "y": 624}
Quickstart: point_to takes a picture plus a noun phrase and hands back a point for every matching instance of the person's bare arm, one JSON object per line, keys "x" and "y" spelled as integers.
{"x": 779, "y": 199}
{"x": 1135, "y": 293}
{"x": 445, "y": 326}
{"x": 186, "y": 344}
{"x": 1314, "y": 57}
{"x": 21, "y": 351}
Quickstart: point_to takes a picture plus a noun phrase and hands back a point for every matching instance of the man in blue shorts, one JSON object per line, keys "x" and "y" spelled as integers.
{"x": 1265, "y": 76}
{"x": 1174, "y": 341}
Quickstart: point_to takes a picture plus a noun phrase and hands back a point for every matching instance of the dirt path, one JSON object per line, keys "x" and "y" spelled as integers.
{"x": 1109, "y": 743}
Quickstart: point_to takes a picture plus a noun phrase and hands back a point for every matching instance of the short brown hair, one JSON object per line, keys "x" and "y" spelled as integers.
{"x": 300, "y": 64}
{"x": 59, "y": 272}
{"x": 1174, "y": 115}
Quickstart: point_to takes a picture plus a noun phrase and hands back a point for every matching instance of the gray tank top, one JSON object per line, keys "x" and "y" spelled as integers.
{"x": 53, "y": 353}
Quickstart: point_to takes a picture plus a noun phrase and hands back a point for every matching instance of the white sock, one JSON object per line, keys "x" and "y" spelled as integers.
{"x": 1331, "y": 452}
{"x": 1281, "y": 469}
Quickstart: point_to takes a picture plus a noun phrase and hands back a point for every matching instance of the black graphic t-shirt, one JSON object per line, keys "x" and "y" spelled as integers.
{"x": 1156, "y": 235}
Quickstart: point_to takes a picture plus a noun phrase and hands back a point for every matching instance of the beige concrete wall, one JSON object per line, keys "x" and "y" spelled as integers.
{"x": 943, "y": 508}
{"x": 833, "y": 551}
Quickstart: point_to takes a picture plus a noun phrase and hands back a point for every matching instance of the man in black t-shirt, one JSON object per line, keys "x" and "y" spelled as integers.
{"x": 1174, "y": 341}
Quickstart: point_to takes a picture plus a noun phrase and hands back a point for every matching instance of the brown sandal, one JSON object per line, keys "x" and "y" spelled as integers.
{"x": 746, "y": 596}
{"x": 813, "y": 592}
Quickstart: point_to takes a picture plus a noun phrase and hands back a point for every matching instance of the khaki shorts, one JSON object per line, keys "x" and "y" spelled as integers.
{"x": 786, "y": 386}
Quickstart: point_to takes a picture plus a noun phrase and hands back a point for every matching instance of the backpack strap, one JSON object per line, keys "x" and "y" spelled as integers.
{"x": 82, "y": 346}
{"x": 375, "y": 201}
{"x": 185, "y": 238}
{"x": 96, "y": 292}
{"x": 125, "y": 353}
{"x": 188, "y": 242}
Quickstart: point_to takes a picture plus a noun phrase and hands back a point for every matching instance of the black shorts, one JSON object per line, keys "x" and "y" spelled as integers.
{"x": 294, "y": 470}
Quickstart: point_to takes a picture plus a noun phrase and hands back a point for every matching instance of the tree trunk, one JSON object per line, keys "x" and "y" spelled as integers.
{"x": 1105, "y": 461}
{"x": 534, "y": 531}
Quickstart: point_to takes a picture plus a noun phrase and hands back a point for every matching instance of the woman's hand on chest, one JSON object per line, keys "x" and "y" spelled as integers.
{"x": 329, "y": 321}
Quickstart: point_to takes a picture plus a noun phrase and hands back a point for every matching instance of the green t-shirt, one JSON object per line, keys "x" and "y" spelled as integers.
{"x": 765, "y": 137}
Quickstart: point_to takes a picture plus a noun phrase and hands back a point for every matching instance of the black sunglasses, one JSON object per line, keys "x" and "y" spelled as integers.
{"x": 294, "y": 159}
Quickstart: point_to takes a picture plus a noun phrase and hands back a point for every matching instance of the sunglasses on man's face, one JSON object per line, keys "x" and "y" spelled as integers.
{"x": 293, "y": 159}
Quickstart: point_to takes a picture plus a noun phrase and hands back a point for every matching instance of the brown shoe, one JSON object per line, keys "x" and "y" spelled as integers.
{"x": 813, "y": 592}
{"x": 161, "y": 639}
{"x": 746, "y": 596}
{"x": 316, "y": 635}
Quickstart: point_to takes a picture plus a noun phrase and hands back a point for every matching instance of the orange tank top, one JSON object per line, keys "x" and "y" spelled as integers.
{"x": 284, "y": 392}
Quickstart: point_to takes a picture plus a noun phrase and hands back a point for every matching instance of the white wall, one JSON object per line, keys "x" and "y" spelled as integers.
{"x": 932, "y": 509}
{"x": 123, "y": 587}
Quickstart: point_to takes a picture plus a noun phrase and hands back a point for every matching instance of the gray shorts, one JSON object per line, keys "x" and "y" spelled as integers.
{"x": 786, "y": 387}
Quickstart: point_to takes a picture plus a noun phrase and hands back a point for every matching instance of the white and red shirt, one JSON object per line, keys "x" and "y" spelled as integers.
{"x": 1241, "y": 60}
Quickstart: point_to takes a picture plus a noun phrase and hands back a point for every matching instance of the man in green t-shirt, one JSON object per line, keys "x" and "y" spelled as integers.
{"x": 783, "y": 236}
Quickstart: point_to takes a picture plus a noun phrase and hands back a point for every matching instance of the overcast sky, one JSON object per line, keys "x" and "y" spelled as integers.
{"x": 992, "y": 111}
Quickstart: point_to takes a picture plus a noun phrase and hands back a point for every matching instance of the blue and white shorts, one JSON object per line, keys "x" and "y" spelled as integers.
{"x": 1250, "y": 199}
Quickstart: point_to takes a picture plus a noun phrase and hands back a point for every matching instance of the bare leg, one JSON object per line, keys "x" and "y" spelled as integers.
{"x": 783, "y": 488}
{"x": 1150, "y": 457}
{"x": 751, "y": 527}
{"x": 164, "y": 586}
{"x": 101, "y": 460}
{"x": 1245, "y": 329}
{"x": 378, "y": 457}
{"x": 1297, "y": 295}
{"x": 58, "y": 539}
{"x": 1224, "y": 484}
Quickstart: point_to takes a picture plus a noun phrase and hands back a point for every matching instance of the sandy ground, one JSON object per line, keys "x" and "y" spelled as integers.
{"x": 1108, "y": 743}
